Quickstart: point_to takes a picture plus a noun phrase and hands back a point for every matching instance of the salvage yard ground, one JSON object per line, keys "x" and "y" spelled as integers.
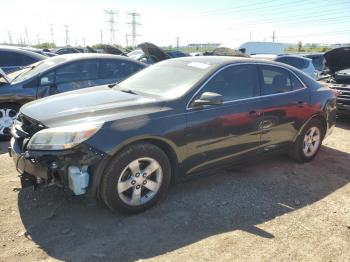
{"x": 272, "y": 210}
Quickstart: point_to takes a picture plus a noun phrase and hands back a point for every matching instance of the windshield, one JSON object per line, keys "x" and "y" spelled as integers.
{"x": 37, "y": 68}
{"x": 171, "y": 78}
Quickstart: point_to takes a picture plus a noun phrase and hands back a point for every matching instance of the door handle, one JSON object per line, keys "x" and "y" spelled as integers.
{"x": 254, "y": 114}
{"x": 299, "y": 103}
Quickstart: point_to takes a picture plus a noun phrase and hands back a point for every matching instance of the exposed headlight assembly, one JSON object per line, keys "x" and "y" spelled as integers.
{"x": 60, "y": 138}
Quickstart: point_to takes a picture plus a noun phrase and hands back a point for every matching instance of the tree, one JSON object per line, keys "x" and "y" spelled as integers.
{"x": 300, "y": 46}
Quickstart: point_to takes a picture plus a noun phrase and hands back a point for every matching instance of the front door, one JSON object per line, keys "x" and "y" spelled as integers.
{"x": 218, "y": 133}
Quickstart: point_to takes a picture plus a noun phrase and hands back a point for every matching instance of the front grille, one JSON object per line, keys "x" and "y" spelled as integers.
{"x": 344, "y": 96}
{"x": 24, "y": 128}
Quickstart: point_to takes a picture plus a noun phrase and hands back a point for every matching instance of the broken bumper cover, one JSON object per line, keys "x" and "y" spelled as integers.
{"x": 52, "y": 166}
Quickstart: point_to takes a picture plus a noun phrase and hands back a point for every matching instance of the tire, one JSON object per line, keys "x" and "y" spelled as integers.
{"x": 7, "y": 112}
{"x": 300, "y": 151}
{"x": 123, "y": 186}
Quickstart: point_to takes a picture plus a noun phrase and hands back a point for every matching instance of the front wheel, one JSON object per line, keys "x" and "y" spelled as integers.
{"x": 8, "y": 113}
{"x": 136, "y": 178}
{"x": 309, "y": 142}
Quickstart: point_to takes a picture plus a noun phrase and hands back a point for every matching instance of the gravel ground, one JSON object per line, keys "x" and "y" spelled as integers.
{"x": 270, "y": 210}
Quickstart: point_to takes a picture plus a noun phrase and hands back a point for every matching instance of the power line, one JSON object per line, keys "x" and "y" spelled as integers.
{"x": 112, "y": 21}
{"x": 134, "y": 23}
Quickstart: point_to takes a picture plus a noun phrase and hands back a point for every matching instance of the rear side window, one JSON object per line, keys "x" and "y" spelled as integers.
{"x": 235, "y": 82}
{"x": 77, "y": 71}
{"x": 296, "y": 84}
{"x": 112, "y": 69}
{"x": 299, "y": 63}
{"x": 27, "y": 60}
{"x": 274, "y": 80}
{"x": 8, "y": 58}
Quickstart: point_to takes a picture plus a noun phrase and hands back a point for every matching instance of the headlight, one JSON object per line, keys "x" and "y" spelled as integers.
{"x": 65, "y": 137}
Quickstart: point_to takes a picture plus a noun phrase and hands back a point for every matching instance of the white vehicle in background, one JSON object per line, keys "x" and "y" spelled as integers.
{"x": 252, "y": 48}
{"x": 302, "y": 63}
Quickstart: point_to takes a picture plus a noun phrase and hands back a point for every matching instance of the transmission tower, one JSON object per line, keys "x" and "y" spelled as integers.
{"x": 66, "y": 29}
{"x": 112, "y": 21}
{"x": 134, "y": 23}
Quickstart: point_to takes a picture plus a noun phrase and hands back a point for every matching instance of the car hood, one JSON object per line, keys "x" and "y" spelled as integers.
{"x": 108, "y": 49}
{"x": 338, "y": 59}
{"x": 151, "y": 50}
{"x": 95, "y": 104}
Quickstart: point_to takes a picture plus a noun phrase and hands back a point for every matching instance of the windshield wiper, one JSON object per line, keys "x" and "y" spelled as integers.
{"x": 129, "y": 91}
{"x": 31, "y": 67}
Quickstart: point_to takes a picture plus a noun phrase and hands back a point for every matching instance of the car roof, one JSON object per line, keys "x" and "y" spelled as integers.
{"x": 86, "y": 56}
{"x": 22, "y": 51}
{"x": 294, "y": 56}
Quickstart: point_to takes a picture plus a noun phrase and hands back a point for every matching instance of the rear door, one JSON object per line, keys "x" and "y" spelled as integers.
{"x": 286, "y": 105}
{"x": 218, "y": 133}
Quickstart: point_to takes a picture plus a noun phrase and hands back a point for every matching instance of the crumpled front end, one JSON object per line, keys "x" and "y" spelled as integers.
{"x": 72, "y": 168}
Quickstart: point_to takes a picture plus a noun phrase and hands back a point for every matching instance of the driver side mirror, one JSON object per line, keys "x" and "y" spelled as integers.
{"x": 208, "y": 98}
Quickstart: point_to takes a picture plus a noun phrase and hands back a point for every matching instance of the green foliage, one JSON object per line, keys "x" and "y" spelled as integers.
{"x": 45, "y": 45}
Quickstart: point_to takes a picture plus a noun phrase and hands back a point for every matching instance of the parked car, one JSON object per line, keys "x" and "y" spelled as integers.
{"x": 150, "y": 53}
{"x": 12, "y": 59}
{"x": 57, "y": 75}
{"x": 338, "y": 62}
{"x": 67, "y": 50}
{"x": 302, "y": 63}
{"x": 317, "y": 60}
{"x": 44, "y": 52}
{"x": 176, "y": 118}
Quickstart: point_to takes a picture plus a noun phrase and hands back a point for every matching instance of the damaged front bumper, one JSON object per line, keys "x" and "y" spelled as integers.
{"x": 71, "y": 168}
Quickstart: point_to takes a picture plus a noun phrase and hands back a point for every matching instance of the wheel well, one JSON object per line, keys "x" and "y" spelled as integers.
{"x": 169, "y": 151}
{"x": 323, "y": 122}
{"x": 11, "y": 104}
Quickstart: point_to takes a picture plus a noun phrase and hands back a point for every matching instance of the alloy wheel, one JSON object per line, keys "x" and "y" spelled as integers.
{"x": 312, "y": 141}
{"x": 140, "y": 181}
{"x": 7, "y": 117}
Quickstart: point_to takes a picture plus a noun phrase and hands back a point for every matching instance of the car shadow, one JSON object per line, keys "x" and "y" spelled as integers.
{"x": 76, "y": 229}
{"x": 343, "y": 122}
{"x": 3, "y": 147}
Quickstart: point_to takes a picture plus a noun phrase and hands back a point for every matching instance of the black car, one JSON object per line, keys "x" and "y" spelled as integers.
{"x": 12, "y": 59}
{"x": 124, "y": 144}
{"x": 59, "y": 74}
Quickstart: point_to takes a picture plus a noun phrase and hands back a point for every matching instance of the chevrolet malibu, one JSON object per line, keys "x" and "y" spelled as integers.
{"x": 124, "y": 144}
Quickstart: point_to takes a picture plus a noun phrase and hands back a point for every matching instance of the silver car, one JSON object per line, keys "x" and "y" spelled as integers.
{"x": 302, "y": 63}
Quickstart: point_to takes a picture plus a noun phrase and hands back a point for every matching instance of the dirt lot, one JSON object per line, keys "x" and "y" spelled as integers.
{"x": 273, "y": 210}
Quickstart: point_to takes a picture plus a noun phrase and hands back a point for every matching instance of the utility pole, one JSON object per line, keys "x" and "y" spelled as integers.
{"x": 126, "y": 40}
{"x": 250, "y": 36}
{"x": 273, "y": 36}
{"x": 52, "y": 34}
{"x": 66, "y": 29}
{"x": 112, "y": 21}
{"x": 10, "y": 37}
{"x": 177, "y": 42}
{"x": 26, "y": 33}
{"x": 101, "y": 35}
{"x": 133, "y": 22}
{"x": 38, "y": 38}
{"x": 84, "y": 40}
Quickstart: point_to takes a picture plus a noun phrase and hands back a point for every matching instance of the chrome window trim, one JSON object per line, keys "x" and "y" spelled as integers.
{"x": 248, "y": 98}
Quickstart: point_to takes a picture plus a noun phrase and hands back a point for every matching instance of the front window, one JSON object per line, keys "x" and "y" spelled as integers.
{"x": 235, "y": 82}
{"x": 170, "y": 79}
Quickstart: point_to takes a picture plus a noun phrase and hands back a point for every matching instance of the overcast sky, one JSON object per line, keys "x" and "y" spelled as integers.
{"x": 220, "y": 21}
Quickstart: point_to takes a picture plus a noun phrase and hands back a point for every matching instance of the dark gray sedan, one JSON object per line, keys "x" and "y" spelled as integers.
{"x": 56, "y": 75}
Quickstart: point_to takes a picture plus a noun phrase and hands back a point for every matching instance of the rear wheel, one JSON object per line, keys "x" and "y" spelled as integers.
{"x": 136, "y": 178}
{"x": 309, "y": 142}
{"x": 8, "y": 113}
